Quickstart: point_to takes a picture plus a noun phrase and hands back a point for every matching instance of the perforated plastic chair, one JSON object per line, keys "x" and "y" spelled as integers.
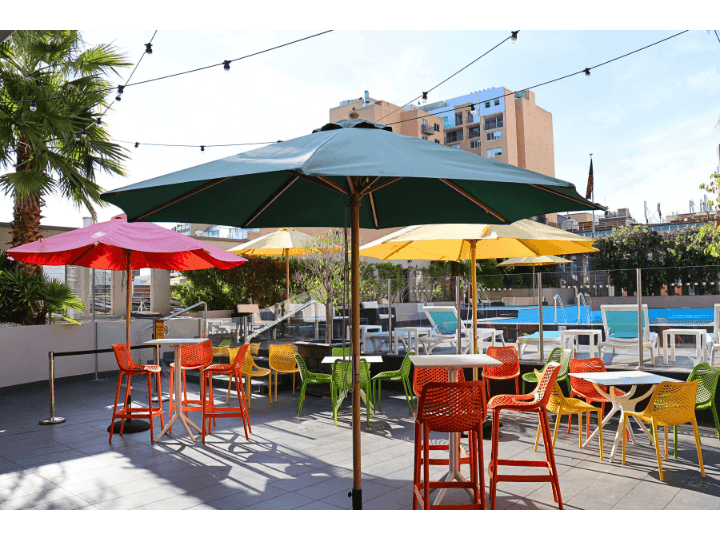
{"x": 707, "y": 377}
{"x": 510, "y": 368}
{"x": 402, "y": 374}
{"x": 450, "y": 408}
{"x": 340, "y": 351}
{"x": 535, "y": 402}
{"x": 128, "y": 368}
{"x": 212, "y": 411}
{"x": 671, "y": 404}
{"x": 559, "y": 405}
{"x": 250, "y": 369}
{"x": 308, "y": 377}
{"x": 562, "y": 357}
{"x": 341, "y": 384}
{"x": 282, "y": 360}
{"x": 195, "y": 356}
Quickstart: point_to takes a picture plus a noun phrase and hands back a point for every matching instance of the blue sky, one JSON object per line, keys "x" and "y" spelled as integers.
{"x": 649, "y": 119}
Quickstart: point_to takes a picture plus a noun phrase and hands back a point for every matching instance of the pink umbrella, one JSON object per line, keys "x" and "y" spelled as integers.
{"x": 119, "y": 245}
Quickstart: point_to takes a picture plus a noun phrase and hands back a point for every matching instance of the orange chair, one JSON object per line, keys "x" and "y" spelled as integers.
{"x": 129, "y": 368}
{"x": 450, "y": 408}
{"x": 535, "y": 402}
{"x": 210, "y": 410}
{"x": 196, "y": 356}
{"x": 510, "y": 368}
{"x": 586, "y": 390}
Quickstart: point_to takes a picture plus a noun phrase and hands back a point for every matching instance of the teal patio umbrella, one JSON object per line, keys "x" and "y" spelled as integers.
{"x": 383, "y": 178}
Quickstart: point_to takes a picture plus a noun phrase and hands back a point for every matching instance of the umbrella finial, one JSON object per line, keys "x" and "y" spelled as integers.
{"x": 354, "y": 115}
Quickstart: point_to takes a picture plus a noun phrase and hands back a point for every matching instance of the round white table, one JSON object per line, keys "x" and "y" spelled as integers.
{"x": 622, "y": 403}
{"x": 453, "y": 362}
{"x": 176, "y": 343}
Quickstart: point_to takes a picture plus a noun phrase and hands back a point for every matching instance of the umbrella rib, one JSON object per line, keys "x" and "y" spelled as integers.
{"x": 380, "y": 185}
{"x": 465, "y": 194}
{"x": 268, "y": 202}
{"x": 181, "y": 197}
{"x": 556, "y": 193}
{"x": 374, "y": 212}
{"x": 369, "y": 182}
{"x": 322, "y": 181}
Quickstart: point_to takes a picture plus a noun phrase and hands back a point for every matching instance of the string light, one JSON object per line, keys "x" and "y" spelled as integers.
{"x": 202, "y": 148}
{"x": 33, "y": 105}
{"x": 148, "y": 48}
{"x": 98, "y": 121}
{"x": 424, "y": 97}
{"x": 513, "y": 35}
{"x": 472, "y": 107}
{"x": 137, "y": 144}
{"x": 77, "y": 136}
{"x": 226, "y": 65}
{"x": 587, "y": 72}
{"x": 84, "y": 133}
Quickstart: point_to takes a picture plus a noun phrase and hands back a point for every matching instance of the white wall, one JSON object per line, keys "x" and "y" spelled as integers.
{"x": 24, "y": 349}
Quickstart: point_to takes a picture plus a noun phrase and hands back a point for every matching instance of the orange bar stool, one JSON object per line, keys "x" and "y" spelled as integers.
{"x": 282, "y": 360}
{"x": 423, "y": 376}
{"x": 449, "y": 408}
{"x": 510, "y": 368}
{"x": 209, "y": 409}
{"x": 198, "y": 357}
{"x": 535, "y": 402}
{"x": 129, "y": 368}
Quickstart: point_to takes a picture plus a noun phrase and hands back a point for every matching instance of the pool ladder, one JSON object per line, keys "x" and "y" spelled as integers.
{"x": 556, "y": 300}
{"x": 581, "y": 298}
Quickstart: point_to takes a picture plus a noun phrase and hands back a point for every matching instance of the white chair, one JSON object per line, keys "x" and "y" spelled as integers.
{"x": 714, "y": 338}
{"x": 621, "y": 330}
{"x": 444, "y": 320}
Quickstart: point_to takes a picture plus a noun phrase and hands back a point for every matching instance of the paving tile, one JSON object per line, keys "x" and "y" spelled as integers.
{"x": 318, "y": 505}
{"x": 243, "y": 500}
{"x": 301, "y": 481}
{"x": 289, "y": 501}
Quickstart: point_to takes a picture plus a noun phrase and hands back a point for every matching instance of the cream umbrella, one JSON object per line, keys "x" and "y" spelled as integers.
{"x": 457, "y": 242}
{"x": 543, "y": 260}
{"x": 284, "y": 242}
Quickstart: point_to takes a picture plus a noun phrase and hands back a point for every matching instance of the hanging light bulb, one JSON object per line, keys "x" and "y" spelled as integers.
{"x": 84, "y": 133}
{"x": 226, "y": 65}
{"x": 99, "y": 121}
{"x": 118, "y": 98}
{"x": 148, "y": 48}
{"x": 137, "y": 144}
{"x": 472, "y": 108}
{"x": 424, "y": 97}
{"x": 202, "y": 148}
{"x": 33, "y": 105}
{"x": 513, "y": 35}
{"x": 587, "y": 72}
{"x": 120, "y": 91}
{"x": 77, "y": 136}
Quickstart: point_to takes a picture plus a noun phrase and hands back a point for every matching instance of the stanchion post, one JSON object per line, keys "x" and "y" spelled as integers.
{"x": 51, "y": 382}
{"x": 640, "y": 317}
{"x": 390, "y": 324}
{"x": 459, "y": 317}
{"x": 540, "y": 317}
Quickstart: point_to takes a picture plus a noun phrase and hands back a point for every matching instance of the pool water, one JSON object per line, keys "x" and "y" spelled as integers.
{"x": 673, "y": 316}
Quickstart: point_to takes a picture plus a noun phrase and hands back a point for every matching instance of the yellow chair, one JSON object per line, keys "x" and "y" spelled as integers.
{"x": 282, "y": 360}
{"x": 221, "y": 351}
{"x": 559, "y": 404}
{"x": 250, "y": 369}
{"x": 671, "y": 404}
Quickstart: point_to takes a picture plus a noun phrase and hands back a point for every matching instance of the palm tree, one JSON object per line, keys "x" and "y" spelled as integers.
{"x": 54, "y": 145}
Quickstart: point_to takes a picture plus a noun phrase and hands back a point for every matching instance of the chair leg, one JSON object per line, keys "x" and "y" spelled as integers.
{"x": 623, "y": 423}
{"x": 159, "y": 393}
{"x": 551, "y": 459}
{"x": 523, "y": 386}
{"x": 205, "y": 402}
{"x": 675, "y": 442}
{"x": 293, "y": 383}
{"x": 557, "y": 427}
{"x": 580, "y": 426}
{"x": 152, "y": 432}
{"x": 517, "y": 384}
{"x": 407, "y": 396}
{"x": 426, "y": 464}
{"x": 270, "y": 387}
{"x": 494, "y": 457}
{"x": 117, "y": 396}
{"x": 416, "y": 467}
{"x": 227, "y": 399}
{"x": 248, "y": 392}
{"x": 657, "y": 448}
{"x": 243, "y": 407}
{"x": 697, "y": 445}
{"x": 666, "y": 443}
{"x": 715, "y": 417}
{"x": 378, "y": 396}
{"x": 537, "y": 437}
{"x": 481, "y": 468}
{"x": 128, "y": 408}
{"x": 301, "y": 399}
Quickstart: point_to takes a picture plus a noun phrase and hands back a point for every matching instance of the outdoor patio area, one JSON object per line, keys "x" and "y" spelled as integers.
{"x": 304, "y": 463}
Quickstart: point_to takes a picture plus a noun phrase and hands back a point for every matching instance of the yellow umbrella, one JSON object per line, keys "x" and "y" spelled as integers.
{"x": 281, "y": 242}
{"x": 456, "y": 242}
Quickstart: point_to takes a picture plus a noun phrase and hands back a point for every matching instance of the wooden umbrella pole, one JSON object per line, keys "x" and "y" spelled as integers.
{"x": 287, "y": 279}
{"x": 355, "y": 201}
{"x": 473, "y": 278}
{"x": 128, "y": 300}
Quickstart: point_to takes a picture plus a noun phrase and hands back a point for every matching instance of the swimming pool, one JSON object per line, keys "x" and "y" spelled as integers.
{"x": 529, "y": 315}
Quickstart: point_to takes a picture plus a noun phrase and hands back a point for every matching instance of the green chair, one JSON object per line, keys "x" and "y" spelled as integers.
{"x": 402, "y": 374}
{"x": 338, "y": 351}
{"x": 705, "y": 397}
{"x": 308, "y": 377}
{"x": 562, "y": 357}
{"x": 341, "y": 384}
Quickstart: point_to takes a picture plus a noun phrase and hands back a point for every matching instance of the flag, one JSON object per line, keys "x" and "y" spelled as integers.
{"x": 590, "y": 184}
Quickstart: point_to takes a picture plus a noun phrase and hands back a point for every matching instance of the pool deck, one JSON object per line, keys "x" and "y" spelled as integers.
{"x": 302, "y": 463}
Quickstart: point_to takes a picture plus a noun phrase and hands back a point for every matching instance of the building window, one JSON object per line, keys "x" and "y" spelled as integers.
{"x": 494, "y": 152}
{"x": 453, "y": 146}
{"x": 470, "y": 118}
{"x": 474, "y": 144}
{"x": 437, "y": 128}
{"x": 494, "y": 122}
{"x": 487, "y": 104}
{"x": 494, "y": 135}
{"x": 521, "y": 95}
{"x": 453, "y": 136}
{"x": 497, "y": 102}
{"x": 425, "y": 137}
{"x": 458, "y": 119}
{"x": 437, "y": 141}
{"x": 474, "y": 132}
{"x": 182, "y": 228}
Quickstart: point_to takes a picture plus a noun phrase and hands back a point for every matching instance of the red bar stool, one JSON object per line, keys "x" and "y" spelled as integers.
{"x": 448, "y": 408}
{"x": 510, "y": 368}
{"x": 209, "y": 409}
{"x": 535, "y": 402}
{"x": 129, "y": 368}
{"x": 195, "y": 356}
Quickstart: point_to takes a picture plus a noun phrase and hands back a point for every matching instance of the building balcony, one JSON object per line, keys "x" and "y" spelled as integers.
{"x": 427, "y": 129}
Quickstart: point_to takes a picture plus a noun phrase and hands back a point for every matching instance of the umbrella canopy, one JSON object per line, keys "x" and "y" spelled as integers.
{"x": 281, "y": 242}
{"x": 543, "y": 260}
{"x": 119, "y": 245}
{"x": 386, "y": 179}
{"x": 452, "y": 242}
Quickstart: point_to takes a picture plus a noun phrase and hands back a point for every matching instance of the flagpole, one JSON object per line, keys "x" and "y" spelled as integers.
{"x": 593, "y": 200}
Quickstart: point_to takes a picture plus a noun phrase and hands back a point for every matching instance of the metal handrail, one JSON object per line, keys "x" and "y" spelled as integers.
{"x": 284, "y": 317}
{"x": 581, "y": 296}
{"x": 205, "y": 317}
{"x": 557, "y": 299}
